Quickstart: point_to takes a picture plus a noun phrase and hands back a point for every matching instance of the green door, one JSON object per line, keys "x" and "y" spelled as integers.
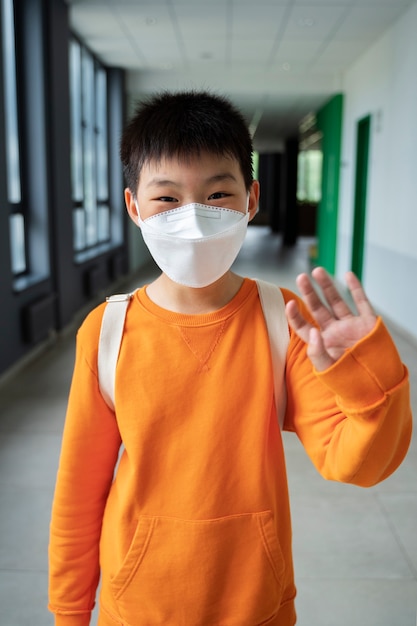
{"x": 329, "y": 122}
{"x": 361, "y": 183}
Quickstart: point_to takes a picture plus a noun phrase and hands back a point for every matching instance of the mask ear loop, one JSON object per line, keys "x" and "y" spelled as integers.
{"x": 140, "y": 221}
{"x": 247, "y": 205}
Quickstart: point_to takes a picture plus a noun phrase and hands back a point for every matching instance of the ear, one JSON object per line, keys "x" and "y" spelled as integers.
{"x": 131, "y": 207}
{"x": 253, "y": 199}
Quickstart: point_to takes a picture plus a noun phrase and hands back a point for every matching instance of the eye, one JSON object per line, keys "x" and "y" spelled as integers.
{"x": 218, "y": 195}
{"x": 167, "y": 199}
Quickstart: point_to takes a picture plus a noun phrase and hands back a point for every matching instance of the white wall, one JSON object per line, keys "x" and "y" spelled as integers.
{"x": 383, "y": 83}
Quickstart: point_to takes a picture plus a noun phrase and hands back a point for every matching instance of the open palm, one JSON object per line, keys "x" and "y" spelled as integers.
{"x": 338, "y": 327}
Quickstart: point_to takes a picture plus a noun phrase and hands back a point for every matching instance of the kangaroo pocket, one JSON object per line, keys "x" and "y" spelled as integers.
{"x": 226, "y": 571}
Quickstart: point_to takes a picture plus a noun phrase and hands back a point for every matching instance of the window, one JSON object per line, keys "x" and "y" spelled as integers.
{"x": 14, "y": 192}
{"x": 103, "y": 212}
{"x": 309, "y": 176}
{"x": 90, "y": 193}
{"x": 255, "y": 165}
{"x": 310, "y": 160}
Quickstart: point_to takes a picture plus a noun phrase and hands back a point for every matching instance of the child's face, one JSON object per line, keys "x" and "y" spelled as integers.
{"x": 207, "y": 179}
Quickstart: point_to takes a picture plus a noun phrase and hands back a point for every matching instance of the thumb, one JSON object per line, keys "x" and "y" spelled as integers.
{"x": 316, "y": 351}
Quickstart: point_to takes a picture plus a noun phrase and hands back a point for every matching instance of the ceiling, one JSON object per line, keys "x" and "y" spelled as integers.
{"x": 277, "y": 60}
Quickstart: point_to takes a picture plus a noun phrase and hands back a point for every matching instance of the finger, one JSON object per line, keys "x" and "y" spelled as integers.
{"x": 313, "y": 302}
{"x": 297, "y": 322}
{"x": 317, "y": 352}
{"x": 362, "y": 303}
{"x": 337, "y": 304}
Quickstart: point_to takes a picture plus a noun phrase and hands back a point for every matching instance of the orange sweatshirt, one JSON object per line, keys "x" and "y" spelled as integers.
{"x": 194, "y": 530}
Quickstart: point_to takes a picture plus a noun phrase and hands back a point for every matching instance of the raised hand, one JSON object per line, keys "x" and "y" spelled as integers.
{"x": 339, "y": 328}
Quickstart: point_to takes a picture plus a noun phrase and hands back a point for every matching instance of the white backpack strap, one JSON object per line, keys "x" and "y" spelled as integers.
{"x": 273, "y": 306}
{"x": 109, "y": 344}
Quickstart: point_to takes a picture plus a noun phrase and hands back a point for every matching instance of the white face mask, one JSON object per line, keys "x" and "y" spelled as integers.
{"x": 196, "y": 244}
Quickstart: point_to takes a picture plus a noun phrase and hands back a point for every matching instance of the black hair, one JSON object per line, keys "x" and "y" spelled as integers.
{"x": 184, "y": 124}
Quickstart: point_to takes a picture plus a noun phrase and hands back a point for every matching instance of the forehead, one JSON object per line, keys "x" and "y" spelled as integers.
{"x": 201, "y": 166}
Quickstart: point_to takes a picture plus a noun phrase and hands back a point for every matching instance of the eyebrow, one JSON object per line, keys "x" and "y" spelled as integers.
{"x": 217, "y": 178}
{"x": 161, "y": 182}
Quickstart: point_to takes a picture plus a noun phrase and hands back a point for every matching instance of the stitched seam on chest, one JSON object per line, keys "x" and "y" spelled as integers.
{"x": 203, "y": 358}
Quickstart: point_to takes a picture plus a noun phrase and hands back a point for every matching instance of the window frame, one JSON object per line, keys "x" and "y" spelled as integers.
{"x": 90, "y": 170}
{"x": 18, "y": 218}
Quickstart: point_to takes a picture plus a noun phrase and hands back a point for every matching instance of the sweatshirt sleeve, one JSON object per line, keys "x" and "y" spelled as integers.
{"x": 89, "y": 452}
{"x": 353, "y": 419}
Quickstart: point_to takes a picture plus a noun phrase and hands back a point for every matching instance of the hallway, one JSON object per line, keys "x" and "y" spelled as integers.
{"x": 355, "y": 550}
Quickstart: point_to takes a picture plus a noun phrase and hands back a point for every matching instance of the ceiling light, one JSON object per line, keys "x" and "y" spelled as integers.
{"x": 306, "y": 22}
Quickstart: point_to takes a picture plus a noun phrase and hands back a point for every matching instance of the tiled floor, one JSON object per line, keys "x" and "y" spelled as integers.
{"x": 355, "y": 550}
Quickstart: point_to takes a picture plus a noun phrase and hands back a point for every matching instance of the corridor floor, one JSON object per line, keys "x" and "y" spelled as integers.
{"x": 355, "y": 550}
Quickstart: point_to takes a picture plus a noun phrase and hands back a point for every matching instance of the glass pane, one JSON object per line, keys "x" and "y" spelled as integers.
{"x": 301, "y": 178}
{"x": 101, "y": 129}
{"x": 255, "y": 165}
{"x": 103, "y": 223}
{"x": 12, "y": 135}
{"x": 314, "y": 175}
{"x": 79, "y": 229}
{"x": 17, "y": 243}
{"x": 309, "y": 176}
{"x": 88, "y": 112}
{"x": 76, "y": 122}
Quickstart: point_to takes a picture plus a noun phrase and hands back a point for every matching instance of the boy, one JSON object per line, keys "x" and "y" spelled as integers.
{"x": 195, "y": 530}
